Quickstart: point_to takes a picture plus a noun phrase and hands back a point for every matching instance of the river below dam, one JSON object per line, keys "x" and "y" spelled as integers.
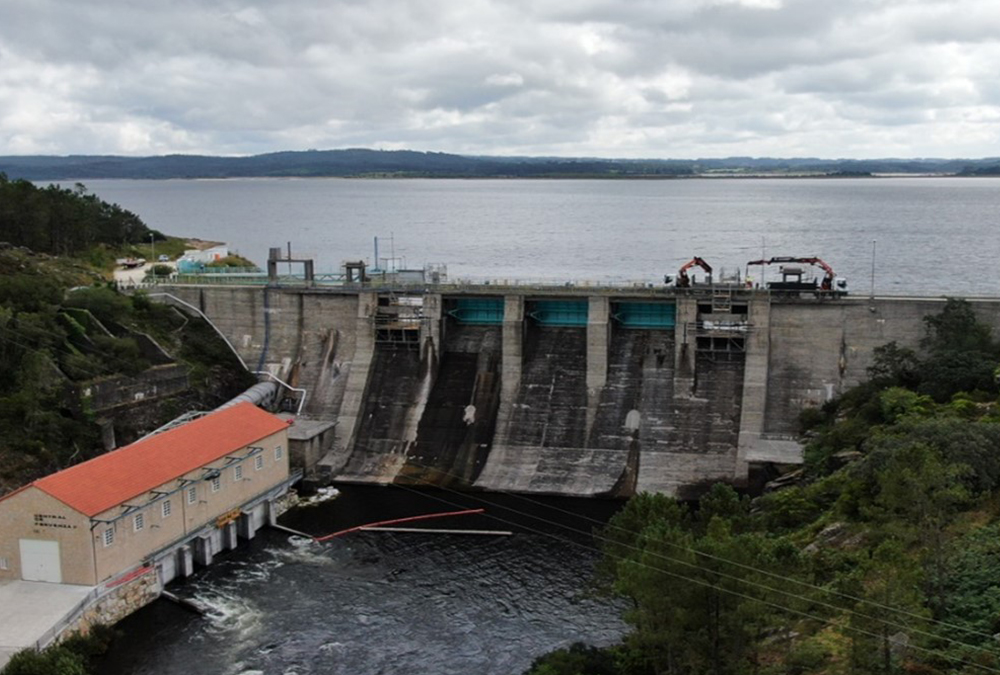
{"x": 381, "y": 602}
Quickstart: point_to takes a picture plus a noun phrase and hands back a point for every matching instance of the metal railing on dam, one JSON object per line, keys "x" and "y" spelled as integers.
{"x": 474, "y": 286}
{"x": 515, "y": 286}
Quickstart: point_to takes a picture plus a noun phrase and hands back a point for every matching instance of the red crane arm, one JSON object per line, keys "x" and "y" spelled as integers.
{"x": 695, "y": 262}
{"x": 826, "y": 268}
{"x": 682, "y": 275}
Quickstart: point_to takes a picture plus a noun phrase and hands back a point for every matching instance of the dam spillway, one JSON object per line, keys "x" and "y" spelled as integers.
{"x": 458, "y": 420}
{"x": 559, "y": 390}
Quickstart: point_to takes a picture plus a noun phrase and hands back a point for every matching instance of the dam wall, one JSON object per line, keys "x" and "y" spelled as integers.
{"x": 818, "y": 350}
{"x": 559, "y": 390}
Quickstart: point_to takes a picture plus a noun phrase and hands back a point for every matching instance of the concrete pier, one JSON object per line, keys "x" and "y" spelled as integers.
{"x": 598, "y": 339}
{"x": 684, "y": 356}
{"x": 512, "y": 362}
{"x": 753, "y": 408}
{"x": 229, "y": 537}
{"x": 598, "y": 336}
{"x": 185, "y": 561}
{"x": 357, "y": 378}
{"x": 245, "y": 527}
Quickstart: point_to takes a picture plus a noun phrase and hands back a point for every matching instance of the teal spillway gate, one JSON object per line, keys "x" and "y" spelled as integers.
{"x": 645, "y": 314}
{"x": 480, "y": 311}
{"x": 558, "y": 312}
{"x": 489, "y": 311}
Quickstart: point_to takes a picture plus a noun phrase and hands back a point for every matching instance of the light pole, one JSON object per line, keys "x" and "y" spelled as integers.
{"x": 152, "y": 249}
{"x": 873, "y": 270}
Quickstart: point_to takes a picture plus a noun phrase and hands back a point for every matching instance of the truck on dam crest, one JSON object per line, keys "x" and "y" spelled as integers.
{"x": 566, "y": 389}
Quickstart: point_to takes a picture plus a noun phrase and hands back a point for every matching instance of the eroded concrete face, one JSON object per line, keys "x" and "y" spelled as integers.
{"x": 455, "y": 432}
{"x": 542, "y": 445}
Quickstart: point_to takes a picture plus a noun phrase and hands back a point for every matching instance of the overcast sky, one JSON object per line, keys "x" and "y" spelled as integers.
{"x": 609, "y": 78}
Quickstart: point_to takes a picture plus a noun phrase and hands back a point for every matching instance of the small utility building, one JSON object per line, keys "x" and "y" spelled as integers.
{"x": 164, "y": 501}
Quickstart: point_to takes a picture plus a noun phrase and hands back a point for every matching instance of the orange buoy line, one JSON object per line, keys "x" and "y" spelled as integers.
{"x": 396, "y": 521}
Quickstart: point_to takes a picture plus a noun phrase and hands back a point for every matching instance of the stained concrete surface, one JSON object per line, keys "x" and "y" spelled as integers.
{"x": 456, "y": 428}
{"x": 391, "y": 408}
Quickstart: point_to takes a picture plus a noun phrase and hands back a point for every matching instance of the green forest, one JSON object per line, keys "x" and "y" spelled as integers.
{"x": 884, "y": 556}
{"x": 62, "y": 325}
{"x": 65, "y": 222}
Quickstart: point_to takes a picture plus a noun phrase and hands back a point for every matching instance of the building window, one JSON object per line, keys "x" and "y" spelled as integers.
{"x": 165, "y": 508}
{"x": 238, "y": 472}
{"x": 278, "y": 453}
{"x": 216, "y": 484}
{"x": 192, "y": 494}
{"x": 138, "y": 521}
{"x": 109, "y": 536}
{"x": 258, "y": 462}
{"x": 4, "y": 563}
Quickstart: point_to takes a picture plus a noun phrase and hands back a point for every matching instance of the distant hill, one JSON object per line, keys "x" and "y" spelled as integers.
{"x": 361, "y": 163}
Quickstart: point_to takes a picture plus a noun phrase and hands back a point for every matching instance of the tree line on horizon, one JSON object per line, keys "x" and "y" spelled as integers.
{"x": 367, "y": 163}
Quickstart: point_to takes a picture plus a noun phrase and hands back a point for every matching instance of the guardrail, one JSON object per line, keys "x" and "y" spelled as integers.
{"x": 95, "y": 595}
{"x": 458, "y": 286}
{"x": 377, "y": 282}
{"x": 476, "y": 285}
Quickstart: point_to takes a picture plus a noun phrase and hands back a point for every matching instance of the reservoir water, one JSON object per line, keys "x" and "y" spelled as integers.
{"x": 933, "y": 236}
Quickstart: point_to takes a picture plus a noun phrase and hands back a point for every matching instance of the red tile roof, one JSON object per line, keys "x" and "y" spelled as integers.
{"x": 120, "y": 475}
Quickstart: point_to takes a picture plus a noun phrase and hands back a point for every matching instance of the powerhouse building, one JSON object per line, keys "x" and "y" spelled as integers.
{"x": 166, "y": 501}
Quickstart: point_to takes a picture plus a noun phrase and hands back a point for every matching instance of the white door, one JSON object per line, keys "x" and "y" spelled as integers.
{"x": 40, "y": 561}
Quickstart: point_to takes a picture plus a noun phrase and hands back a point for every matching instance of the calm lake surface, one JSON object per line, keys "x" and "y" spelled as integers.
{"x": 935, "y": 236}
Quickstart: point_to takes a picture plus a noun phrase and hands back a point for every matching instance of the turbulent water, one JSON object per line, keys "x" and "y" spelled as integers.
{"x": 386, "y": 602}
{"x": 933, "y": 236}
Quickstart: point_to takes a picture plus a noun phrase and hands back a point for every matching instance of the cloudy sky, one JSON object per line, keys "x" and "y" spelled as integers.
{"x": 609, "y": 78}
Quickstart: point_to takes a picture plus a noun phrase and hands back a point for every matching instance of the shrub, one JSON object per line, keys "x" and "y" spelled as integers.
{"x": 578, "y": 659}
{"x": 52, "y": 661}
{"x": 807, "y": 657}
{"x": 105, "y": 304}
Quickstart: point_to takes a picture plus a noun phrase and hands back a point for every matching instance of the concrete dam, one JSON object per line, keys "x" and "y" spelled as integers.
{"x": 563, "y": 390}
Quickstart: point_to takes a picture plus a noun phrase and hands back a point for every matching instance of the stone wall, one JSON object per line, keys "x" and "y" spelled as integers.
{"x": 156, "y": 382}
{"x": 107, "y": 605}
{"x": 120, "y": 601}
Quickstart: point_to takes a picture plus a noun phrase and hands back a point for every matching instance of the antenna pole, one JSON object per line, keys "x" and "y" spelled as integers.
{"x": 763, "y": 268}
{"x": 873, "y": 270}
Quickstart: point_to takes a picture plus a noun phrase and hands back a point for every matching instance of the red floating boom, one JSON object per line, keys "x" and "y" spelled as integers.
{"x": 410, "y": 519}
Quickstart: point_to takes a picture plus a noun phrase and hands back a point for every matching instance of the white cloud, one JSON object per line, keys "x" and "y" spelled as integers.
{"x": 655, "y": 78}
{"x": 507, "y": 80}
